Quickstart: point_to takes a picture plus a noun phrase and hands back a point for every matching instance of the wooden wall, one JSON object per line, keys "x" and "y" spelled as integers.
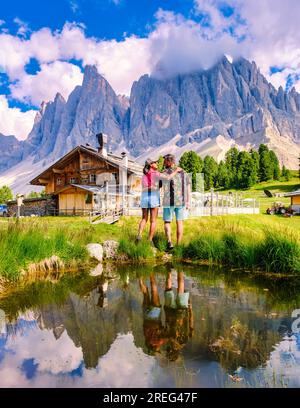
{"x": 74, "y": 200}
{"x": 296, "y": 200}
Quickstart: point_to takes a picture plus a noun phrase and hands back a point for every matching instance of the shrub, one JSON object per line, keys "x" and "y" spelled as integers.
{"x": 206, "y": 248}
{"x": 135, "y": 251}
{"x": 280, "y": 252}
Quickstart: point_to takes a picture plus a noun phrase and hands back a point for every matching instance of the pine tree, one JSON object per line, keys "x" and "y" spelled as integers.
{"x": 246, "y": 170}
{"x": 210, "y": 170}
{"x": 192, "y": 164}
{"x": 231, "y": 161}
{"x": 255, "y": 159}
{"x": 276, "y": 168}
{"x": 286, "y": 173}
{"x": 266, "y": 167}
{"x": 223, "y": 179}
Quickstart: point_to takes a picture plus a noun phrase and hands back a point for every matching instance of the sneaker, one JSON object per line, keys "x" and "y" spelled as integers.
{"x": 170, "y": 246}
{"x": 138, "y": 239}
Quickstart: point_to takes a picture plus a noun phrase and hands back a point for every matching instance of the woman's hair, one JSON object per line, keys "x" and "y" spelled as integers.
{"x": 146, "y": 168}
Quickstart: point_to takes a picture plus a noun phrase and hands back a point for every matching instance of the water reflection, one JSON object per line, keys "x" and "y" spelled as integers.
{"x": 178, "y": 327}
{"x": 165, "y": 326}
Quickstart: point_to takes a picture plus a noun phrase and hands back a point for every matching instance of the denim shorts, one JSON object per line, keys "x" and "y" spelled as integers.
{"x": 180, "y": 302}
{"x": 150, "y": 199}
{"x": 179, "y": 212}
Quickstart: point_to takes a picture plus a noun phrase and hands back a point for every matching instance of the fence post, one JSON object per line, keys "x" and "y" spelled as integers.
{"x": 211, "y": 201}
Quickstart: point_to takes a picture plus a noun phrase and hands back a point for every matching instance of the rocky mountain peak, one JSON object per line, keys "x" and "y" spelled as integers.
{"x": 231, "y": 101}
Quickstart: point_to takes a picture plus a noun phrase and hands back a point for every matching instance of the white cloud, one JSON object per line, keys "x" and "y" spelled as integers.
{"x": 270, "y": 28}
{"x": 55, "y": 359}
{"x": 13, "y": 121}
{"x": 265, "y": 31}
{"x": 2, "y": 22}
{"x": 179, "y": 46}
{"x": 23, "y": 29}
{"x": 45, "y": 84}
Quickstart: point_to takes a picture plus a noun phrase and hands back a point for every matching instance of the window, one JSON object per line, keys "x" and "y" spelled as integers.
{"x": 92, "y": 178}
{"x": 88, "y": 198}
{"x": 59, "y": 181}
{"x": 73, "y": 180}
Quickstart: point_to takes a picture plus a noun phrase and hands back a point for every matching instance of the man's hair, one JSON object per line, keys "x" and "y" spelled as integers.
{"x": 170, "y": 157}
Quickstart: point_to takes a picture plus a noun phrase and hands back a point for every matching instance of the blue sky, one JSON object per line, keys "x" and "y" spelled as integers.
{"x": 106, "y": 19}
{"x": 44, "y": 46}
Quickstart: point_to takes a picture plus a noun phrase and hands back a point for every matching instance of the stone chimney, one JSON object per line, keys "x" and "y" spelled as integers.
{"x": 102, "y": 144}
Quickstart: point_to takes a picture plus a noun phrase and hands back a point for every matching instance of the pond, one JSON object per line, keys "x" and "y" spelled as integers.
{"x": 145, "y": 326}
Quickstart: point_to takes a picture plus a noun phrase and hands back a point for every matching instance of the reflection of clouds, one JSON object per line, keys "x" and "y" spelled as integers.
{"x": 124, "y": 365}
{"x": 285, "y": 361}
{"x": 53, "y": 356}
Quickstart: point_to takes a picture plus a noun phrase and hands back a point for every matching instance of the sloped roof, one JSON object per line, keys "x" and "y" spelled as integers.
{"x": 293, "y": 193}
{"x": 113, "y": 160}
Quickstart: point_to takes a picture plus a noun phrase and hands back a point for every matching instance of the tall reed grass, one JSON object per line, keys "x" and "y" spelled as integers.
{"x": 24, "y": 243}
{"x": 276, "y": 251}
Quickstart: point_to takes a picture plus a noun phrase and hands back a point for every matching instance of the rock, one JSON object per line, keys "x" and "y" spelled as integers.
{"x": 155, "y": 251}
{"x": 110, "y": 249}
{"x": 110, "y": 271}
{"x": 97, "y": 271}
{"x": 167, "y": 257}
{"x": 11, "y": 151}
{"x": 95, "y": 251}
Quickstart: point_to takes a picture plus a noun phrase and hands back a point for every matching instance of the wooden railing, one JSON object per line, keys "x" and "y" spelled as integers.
{"x": 105, "y": 215}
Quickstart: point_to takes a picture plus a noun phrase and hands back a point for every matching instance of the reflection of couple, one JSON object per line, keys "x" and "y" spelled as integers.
{"x": 178, "y": 326}
{"x": 176, "y": 197}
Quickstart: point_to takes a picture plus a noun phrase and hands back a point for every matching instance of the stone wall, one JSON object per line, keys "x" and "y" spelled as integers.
{"x": 34, "y": 206}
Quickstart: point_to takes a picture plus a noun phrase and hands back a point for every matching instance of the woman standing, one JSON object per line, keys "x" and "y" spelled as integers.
{"x": 150, "y": 199}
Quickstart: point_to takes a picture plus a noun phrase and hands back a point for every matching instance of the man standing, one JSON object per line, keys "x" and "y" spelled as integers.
{"x": 176, "y": 199}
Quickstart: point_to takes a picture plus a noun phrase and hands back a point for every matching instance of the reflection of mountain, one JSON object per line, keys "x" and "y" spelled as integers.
{"x": 235, "y": 324}
{"x": 91, "y": 327}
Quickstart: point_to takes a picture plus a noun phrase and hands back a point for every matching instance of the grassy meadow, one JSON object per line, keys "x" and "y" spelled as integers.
{"x": 270, "y": 243}
{"x": 281, "y": 187}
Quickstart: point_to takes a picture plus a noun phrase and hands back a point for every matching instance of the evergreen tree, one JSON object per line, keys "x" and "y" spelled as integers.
{"x": 286, "y": 173}
{"x": 5, "y": 194}
{"x": 255, "y": 159}
{"x": 231, "y": 161}
{"x": 210, "y": 170}
{"x": 266, "y": 167}
{"x": 246, "y": 170}
{"x": 276, "y": 168}
{"x": 192, "y": 164}
{"x": 223, "y": 179}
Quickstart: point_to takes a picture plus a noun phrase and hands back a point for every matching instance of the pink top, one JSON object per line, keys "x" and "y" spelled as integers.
{"x": 150, "y": 180}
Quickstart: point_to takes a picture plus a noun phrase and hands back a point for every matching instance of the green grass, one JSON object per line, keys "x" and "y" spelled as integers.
{"x": 281, "y": 187}
{"x": 205, "y": 238}
{"x": 136, "y": 252}
{"x": 275, "y": 251}
{"x": 25, "y": 243}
